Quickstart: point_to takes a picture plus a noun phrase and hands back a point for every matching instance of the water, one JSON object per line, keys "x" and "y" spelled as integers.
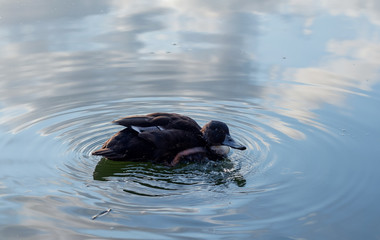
{"x": 297, "y": 82}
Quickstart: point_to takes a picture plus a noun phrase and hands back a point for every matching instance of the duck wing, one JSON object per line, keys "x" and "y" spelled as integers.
{"x": 126, "y": 145}
{"x": 159, "y": 121}
{"x": 165, "y": 147}
{"x": 168, "y": 143}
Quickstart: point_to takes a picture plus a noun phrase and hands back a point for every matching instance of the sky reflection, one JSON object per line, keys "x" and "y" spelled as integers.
{"x": 186, "y": 50}
{"x": 296, "y": 80}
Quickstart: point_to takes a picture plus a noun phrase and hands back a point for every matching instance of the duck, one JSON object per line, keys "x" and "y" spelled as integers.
{"x": 169, "y": 139}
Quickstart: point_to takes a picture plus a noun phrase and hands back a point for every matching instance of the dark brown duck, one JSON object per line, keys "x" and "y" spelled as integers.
{"x": 167, "y": 138}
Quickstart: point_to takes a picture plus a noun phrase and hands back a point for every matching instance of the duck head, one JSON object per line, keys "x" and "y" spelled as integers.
{"x": 217, "y": 135}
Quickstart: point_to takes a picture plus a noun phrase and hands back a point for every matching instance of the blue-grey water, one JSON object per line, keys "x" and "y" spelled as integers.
{"x": 298, "y": 82}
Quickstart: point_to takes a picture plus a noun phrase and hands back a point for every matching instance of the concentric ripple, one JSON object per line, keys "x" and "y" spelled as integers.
{"x": 286, "y": 160}
{"x": 85, "y": 130}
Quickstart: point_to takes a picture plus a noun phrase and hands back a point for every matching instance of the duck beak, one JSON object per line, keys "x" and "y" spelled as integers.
{"x": 229, "y": 141}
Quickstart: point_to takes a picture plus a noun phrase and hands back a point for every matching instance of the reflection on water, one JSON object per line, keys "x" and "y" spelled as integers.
{"x": 215, "y": 173}
{"x": 298, "y": 82}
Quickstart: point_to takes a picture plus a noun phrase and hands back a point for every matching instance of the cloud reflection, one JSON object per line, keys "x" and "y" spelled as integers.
{"x": 351, "y": 68}
{"x": 62, "y": 55}
{"x": 24, "y": 12}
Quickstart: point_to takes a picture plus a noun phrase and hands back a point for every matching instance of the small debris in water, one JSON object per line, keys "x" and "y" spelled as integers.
{"x": 102, "y": 213}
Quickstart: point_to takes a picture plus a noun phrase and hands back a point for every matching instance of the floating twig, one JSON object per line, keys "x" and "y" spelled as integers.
{"x": 102, "y": 213}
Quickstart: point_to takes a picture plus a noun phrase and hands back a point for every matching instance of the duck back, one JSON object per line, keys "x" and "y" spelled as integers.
{"x": 156, "y": 146}
{"x": 126, "y": 145}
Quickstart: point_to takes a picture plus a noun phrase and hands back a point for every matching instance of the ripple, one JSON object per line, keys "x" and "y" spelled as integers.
{"x": 271, "y": 167}
{"x": 85, "y": 129}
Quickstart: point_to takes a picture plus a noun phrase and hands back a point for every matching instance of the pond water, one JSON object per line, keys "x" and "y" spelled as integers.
{"x": 298, "y": 82}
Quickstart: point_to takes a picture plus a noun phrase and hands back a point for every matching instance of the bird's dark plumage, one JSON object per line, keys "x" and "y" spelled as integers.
{"x": 166, "y": 138}
{"x": 161, "y": 121}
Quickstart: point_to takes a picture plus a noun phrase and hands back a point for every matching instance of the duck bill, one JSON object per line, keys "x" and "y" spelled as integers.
{"x": 229, "y": 141}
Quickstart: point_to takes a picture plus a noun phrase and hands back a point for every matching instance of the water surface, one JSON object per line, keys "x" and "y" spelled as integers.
{"x": 297, "y": 82}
